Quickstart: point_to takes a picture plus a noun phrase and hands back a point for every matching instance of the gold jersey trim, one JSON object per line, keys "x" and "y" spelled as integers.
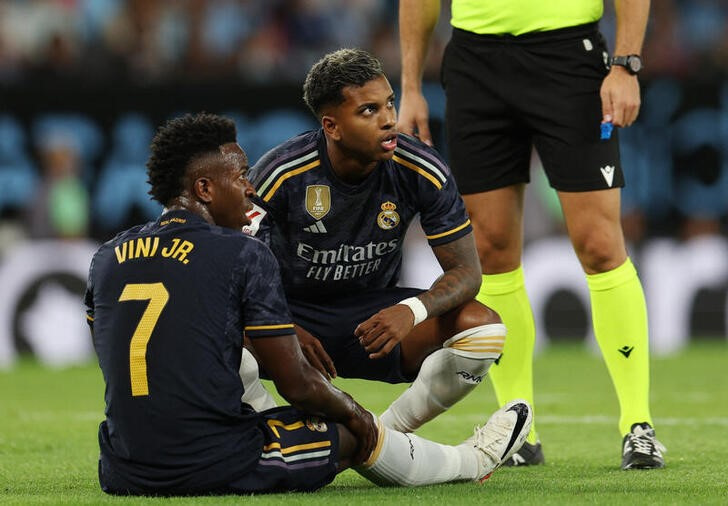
{"x": 451, "y": 231}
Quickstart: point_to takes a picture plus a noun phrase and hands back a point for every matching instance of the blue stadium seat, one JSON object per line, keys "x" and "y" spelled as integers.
{"x": 244, "y": 128}
{"x": 122, "y": 182}
{"x": 76, "y": 130}
{"x": 226, "y": 23}
{"x": 18, "y": 175}
{"x": 646, "y": 149}
{"x": 706, "y": 196}
{"x": 94, "y": 16}
{"x": 275, "y": 127}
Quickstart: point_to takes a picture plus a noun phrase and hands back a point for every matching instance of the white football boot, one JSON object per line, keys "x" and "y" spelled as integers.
{"x": 502, "y": 436}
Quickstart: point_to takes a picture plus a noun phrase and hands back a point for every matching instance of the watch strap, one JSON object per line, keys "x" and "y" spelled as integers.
{"x": 624, "y": 61}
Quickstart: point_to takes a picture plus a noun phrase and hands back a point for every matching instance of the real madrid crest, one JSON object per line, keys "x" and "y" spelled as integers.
{"x": 388, "y": 218}
{"x": 318, "y": 200}
{"x": 316, "y": 424}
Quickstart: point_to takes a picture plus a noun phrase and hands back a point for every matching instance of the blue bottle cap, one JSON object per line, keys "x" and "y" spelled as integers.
{"x": 606, "y": 130}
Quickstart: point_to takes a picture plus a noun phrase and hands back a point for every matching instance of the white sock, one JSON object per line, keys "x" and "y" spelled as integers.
{"x": 446, "y": 376}
{"x": 255, "y": 393}
{"x": 409, "y": 460}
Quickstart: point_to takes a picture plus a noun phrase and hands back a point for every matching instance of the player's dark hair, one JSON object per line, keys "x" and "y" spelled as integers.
{"x": 332, "y": 73}
{"x": 178, "y": 142}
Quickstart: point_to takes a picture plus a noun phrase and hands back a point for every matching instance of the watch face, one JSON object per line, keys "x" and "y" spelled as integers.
{"x": 635, "y": 64}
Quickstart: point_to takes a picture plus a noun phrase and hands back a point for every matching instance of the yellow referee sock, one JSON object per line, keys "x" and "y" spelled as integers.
{"x": 512, "y": 376}
{"x": 619, "y": 315}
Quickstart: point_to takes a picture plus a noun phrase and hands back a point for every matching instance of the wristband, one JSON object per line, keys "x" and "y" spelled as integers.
{"x": 418, "y": 308}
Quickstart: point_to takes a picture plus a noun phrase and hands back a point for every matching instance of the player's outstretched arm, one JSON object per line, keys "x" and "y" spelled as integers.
{"x": 308, "y": 390}
{"x": 417, "y": 20}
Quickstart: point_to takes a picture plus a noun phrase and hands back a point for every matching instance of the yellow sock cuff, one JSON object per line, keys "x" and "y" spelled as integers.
{"x": 499, "y": 284}
{"x": 610, "y": 279}
{"x": 378, "y": 447}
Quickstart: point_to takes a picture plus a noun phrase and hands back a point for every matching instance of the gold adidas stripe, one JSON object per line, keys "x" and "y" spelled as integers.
{"x": 484, "y": 344}
{"x": 422, "y": 172}
{"x": 296, "y": 448}
{"x": 269, "y": 327}
{"x": 287, "y": 175}
{"x": 443, "y": 234}
{"x": 481, "y": 349}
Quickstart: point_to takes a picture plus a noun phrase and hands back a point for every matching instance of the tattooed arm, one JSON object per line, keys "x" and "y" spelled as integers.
{"x": 458, "y": 284}
{"x": 460, "y": 280}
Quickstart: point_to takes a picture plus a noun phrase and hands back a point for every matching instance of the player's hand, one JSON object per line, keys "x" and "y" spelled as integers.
{"x": 620, "y": 94}
{"x": 413, "y": 117}
{"x": 364, "y": 429}
{"x": 381, "y": 333}
{"x": 314, "y": 351}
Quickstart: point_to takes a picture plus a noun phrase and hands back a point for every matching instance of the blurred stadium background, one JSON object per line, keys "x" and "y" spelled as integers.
{"x": 85, "y": 82}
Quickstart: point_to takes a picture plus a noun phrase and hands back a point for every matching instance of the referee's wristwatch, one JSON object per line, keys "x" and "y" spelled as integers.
{"x": 631, "y": 62}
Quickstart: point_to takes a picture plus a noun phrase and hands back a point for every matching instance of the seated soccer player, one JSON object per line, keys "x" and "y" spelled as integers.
{"x": 334, "y": 205}
{"x": 168, "y": 304}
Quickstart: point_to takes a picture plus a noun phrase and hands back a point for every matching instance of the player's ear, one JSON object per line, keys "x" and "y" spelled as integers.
{"x": 202, "y": 189}
{"x": 331, "y": 128}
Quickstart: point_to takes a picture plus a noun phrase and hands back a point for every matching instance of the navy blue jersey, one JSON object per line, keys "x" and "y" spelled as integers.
{"x": 334, "y": 238}
{"x": 168, "y": 303}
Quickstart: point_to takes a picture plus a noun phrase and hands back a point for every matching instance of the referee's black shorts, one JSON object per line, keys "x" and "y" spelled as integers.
{"x": 507, "y": 93}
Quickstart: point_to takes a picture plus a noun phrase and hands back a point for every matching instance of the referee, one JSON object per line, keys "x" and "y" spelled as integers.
{"x": 523, "y": 73}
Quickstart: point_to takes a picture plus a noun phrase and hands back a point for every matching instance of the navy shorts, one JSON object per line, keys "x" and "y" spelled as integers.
{"x": 506, "y": 94}
{"x": 333, "y": 321}
{"x": 300, "y": 453}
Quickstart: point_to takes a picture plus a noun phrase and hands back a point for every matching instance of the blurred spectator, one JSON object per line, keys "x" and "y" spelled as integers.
{"x": 18, "y": 180}
{"x": 60, "y": 208}
{"x": 664, "y": 47}
{"x": 263, "y": 54}
{"x": 676, "y": 162}
{"x": 264, "y": 40}
{"x": 150, "y": 37}
{"x": 120, "y": 195}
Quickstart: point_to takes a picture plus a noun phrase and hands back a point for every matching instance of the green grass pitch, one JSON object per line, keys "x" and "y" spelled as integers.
{"x": 48, "y": 448}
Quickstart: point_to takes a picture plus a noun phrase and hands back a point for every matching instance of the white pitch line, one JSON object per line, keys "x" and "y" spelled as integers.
{"x": 84, "y": 416}
{"x": 609, "y": 420}
{"x": 601, "y": 420}
{"x": 80, "y": 416}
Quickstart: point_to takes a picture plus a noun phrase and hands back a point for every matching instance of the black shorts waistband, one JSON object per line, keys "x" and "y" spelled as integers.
{"x": 570, "y": 32}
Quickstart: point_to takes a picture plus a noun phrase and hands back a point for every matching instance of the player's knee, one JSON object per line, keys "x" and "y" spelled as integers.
{"x": 498, "y": 249}
{"x": 600, "y": 252}
{"x": 475, "y": 314}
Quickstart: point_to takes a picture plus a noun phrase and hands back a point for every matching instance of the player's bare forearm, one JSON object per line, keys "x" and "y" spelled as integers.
{"x": 620, "y": 91}
{"x": 460, "y": 280}
{"x": 632, "y": 18}
{"x": 417, "y": 20}
{"x": 459, "y": 284}
{"x": 301, "y": 384}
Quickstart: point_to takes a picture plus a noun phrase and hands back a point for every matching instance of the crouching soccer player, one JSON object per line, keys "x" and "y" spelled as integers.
{"x": 168, "y": 303}
{"x": 334, "y": 205}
